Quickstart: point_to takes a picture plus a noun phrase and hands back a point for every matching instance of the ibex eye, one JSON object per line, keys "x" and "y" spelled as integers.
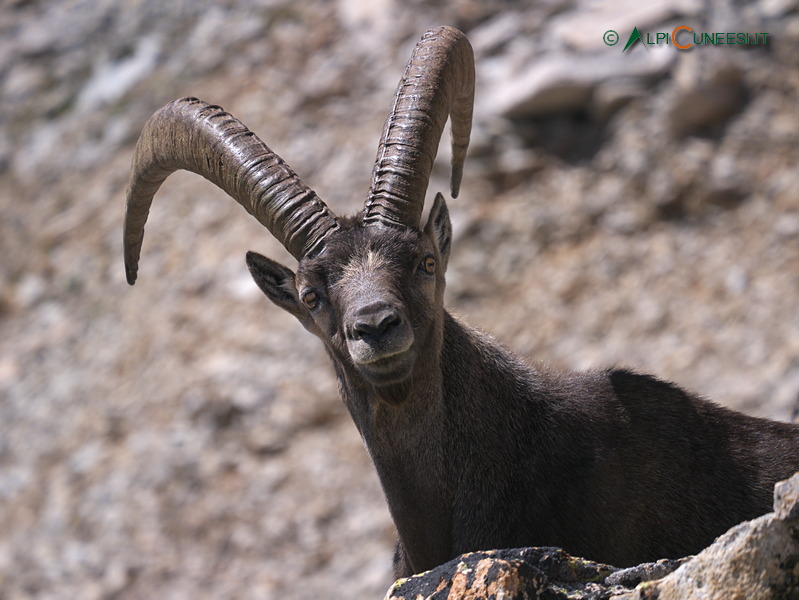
{"x": 310, "y": 299}
{"x": 429, "y": 265}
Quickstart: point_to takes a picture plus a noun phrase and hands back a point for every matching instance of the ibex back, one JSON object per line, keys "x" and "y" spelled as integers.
{"x": 474, "y": 448}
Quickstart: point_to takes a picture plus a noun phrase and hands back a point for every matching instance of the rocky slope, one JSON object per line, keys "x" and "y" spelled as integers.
{"x": 184, "y": 437}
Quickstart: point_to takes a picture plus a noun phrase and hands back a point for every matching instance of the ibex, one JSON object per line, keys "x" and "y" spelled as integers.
{"x": 474, "y": 448}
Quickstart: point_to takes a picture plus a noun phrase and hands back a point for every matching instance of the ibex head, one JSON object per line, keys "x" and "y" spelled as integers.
{"x": 370, "y": 286}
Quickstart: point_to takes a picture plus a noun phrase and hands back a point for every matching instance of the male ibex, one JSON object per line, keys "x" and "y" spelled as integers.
{"x": 474, "y": 448}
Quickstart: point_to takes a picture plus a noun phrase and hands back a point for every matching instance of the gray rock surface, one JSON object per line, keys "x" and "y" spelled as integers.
{"x": 786, "y": 500}
{"x": 184, "y": 438}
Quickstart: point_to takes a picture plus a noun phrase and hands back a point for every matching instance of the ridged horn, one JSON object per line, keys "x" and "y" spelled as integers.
{"x": 438, "y": 83}
{"x": 196, "y": 136}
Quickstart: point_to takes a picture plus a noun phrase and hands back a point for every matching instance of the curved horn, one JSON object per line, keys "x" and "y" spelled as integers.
{"x": 196, "y": 136}
{"x": 438, "y": 82}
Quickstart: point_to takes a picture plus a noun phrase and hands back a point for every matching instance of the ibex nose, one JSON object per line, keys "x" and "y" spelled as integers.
{"x": 374, "y": 321}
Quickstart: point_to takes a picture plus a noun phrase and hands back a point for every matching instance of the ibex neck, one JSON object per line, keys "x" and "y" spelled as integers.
{"x": 407, "y": 443}
{"x": 411, "y": 444}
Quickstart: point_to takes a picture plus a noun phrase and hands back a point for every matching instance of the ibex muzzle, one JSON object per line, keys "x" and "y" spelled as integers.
{"x": 378, "y": 332}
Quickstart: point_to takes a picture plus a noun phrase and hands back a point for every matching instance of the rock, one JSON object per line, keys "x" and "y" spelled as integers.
{"x": 525, "y": 573}
{"x": 786, "y": 499}
{"x": 708, "y": 94}
{"x": 111, "y": 81}
{"x": 632, "y": 576}
{"x": 565, "y": 83}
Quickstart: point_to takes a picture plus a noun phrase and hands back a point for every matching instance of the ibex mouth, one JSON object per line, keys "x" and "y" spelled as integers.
{"x": 389, "y": 368}
{"x": 386, "y": 355}
{"x": 377, "y": 359}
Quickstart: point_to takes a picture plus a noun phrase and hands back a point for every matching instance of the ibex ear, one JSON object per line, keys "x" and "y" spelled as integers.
{"x": 439, "y": 227}
{"x": 277, "y": 282}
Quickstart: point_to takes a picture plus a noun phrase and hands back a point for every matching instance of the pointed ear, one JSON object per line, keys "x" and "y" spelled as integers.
{"x": 277, "y": 282}
{"x": 439, "y": 227}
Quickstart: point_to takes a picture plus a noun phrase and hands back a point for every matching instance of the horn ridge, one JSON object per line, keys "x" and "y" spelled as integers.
{"x": 438, "y": 83}
{"x": 189, "y": 134}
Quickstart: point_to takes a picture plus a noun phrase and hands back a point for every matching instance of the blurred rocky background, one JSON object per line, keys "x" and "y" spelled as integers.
{"x": 184, "y": 438}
